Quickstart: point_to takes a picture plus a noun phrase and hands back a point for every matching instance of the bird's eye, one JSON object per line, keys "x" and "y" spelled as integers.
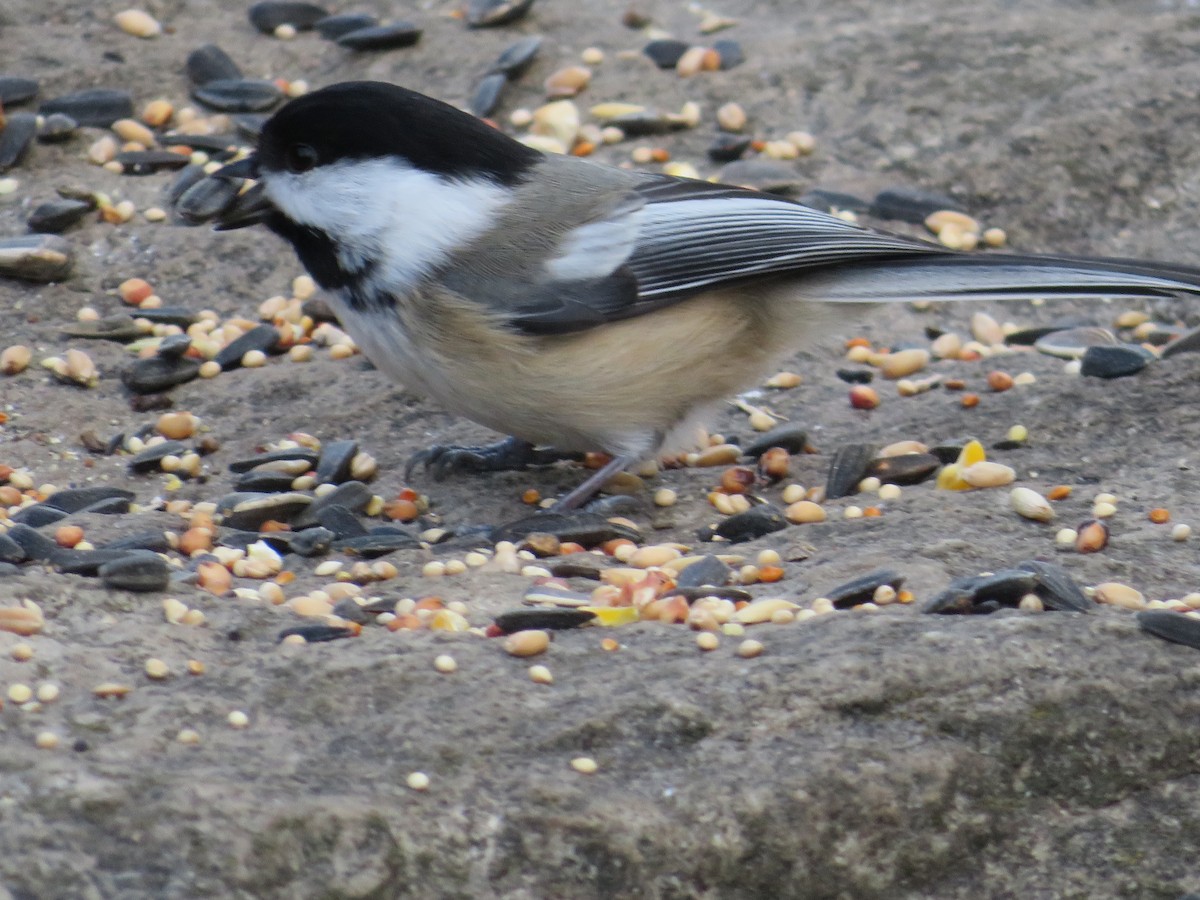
{"x": 300, "y": 158}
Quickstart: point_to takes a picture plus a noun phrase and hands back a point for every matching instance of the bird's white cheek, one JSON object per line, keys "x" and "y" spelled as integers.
{"x": 404, "y": 219}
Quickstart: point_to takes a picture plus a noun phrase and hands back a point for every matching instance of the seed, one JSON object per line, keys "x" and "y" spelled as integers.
{"x": 47, "y": 692}
{"x": 1031, "y": 603}
{"x": 761, "y": 610}
{"x": 995, "y": 237}
{"x": 749, "y": 648}
{"x": 107, "y": 689}
{"x": 869, "y": 485}
{"x": 21, "y": 652}
{"x": 999, "y": 381}
{"x": 584, "y": 765}
{"x": 24, "y": 620}
{"x": 417, "y": 781}
{"x": 784, "y": 380}
{"x": 690, "y": 62}
{"x": 1181, "y": 532}
{"x": 904, "y": 362}
{"x": 210, "y": 369}
{"x": 1066, "y": 537}
{"x": 1104, "y": 510}
{"x": 949, "y": 218}
{"x": 46, "y": 740}
{"x": 1059, "y": 492}
{"x": 718, "y": 455}
{"x": 731, "y": 117}
{"x": 665, "y": 497}
{"x": 852, "y": 512}
{"x": 188, "y": 736}
{"x": 986, "y": 330}
{"x": 1113, "y": 593}
{"x": 253, "y": 359}
{"x": 530, "y": 642}
{"x": 445, "y": 663}
{"x": 987, "y": 474}
{"x": 176, "y": 426}
{"x": 804, "y": 512}
{"x": 138, "y": 23}
{"x": 567, "y": 82}
{"x": 68, "y": 535}
{"x": 131, "y": 130}
{"x": 14, "y": 359}
{"x": 1092, "y": 537}
{"x": 889, "y": 492}
{"x": 20, "y": 693}
{"x": 969, "y": 401}
{"x": 214, "y": 578}
{"x": 863, "y": 396}
{"x": 1030, "y": 504}
{"x": 540, "y": 675}
{"x": 157, "y": 669}
{"x": 157, "y": 113}
{"x": 284, "y": 32}
{"x": 1159, "y": 515}
{"x": 947, "y": 346}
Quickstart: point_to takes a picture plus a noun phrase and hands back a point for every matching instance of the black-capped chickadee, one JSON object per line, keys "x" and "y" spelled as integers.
{"x": 576, "y": 305}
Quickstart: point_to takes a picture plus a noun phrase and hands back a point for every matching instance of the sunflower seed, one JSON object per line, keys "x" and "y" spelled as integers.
{"x": 137, "y": 571}
{"x": 238, "y": 95}
{"x": 748, "y": 525}
{"x": 56, "y": 128}
{"x": 862, "y": 589}
{"x": 517, "y": 58}
{"x": 55, "y": 216}
{"x": 910, "y": 204}
{"x": 382, "y": 37}
{"x": 548, "y": 618}
{"x": 15, "y": 90}
{"x": 486, "y": 96}
{"x": 15, "y": 138}
{"x": 268, "y": 15}
{"x": 155, "y": 375}
{"x": 211, "y": 63}
{"x": 847, "y": 468}
{"x": 1170, "y": 626}
{"x": 96, "y": 107}
{"x": 36, "y": 257}
{"x": 665, "y": 53}
{"x": 1114, "y": 362}
{"x": 490, "y": 13}
{"x": 333, "y": 27}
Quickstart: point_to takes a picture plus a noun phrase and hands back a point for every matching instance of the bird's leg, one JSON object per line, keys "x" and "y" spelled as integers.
{"x": 507, "y": 455}
{"x": 584, "y": 491}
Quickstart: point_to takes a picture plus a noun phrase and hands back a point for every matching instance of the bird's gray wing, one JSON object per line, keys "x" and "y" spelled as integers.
{"x": 670, "y": 239}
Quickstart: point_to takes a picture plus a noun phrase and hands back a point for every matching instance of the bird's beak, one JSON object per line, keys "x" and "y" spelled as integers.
{"x": 250, "y": 208}
{"x": 246, "y": 167}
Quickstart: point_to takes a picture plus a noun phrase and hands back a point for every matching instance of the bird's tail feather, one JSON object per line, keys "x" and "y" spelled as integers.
{"x": 1002, "y": 277}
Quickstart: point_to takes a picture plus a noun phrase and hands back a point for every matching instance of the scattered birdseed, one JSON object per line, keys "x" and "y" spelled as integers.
{"x": 445, "y": 663}
{"x": 46, "y": 740}
{"x": 20, "y": 693}
{"x": 188, "y": 736}
{"x": 47, "y": 692}
{"x": 584, "y": 765}
{"x": 417, "y": 781}
{"x": 21, "y": 652}
{"x": 1181, "y": 532}
{"x": 540, "y": 675}
{"x": 237, "y": 719}
{"x": 749, "y": 649}
{"x": 157, "y": 669}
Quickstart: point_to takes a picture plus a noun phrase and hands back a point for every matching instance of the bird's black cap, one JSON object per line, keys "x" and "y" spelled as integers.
{"x": 373, "y": 119}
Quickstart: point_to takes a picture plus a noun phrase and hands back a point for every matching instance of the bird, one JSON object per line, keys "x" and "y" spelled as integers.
{"x": 577, "y": 307}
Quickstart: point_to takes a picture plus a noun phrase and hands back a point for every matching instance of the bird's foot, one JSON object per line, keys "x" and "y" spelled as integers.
{"x": 510, "y": 454}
